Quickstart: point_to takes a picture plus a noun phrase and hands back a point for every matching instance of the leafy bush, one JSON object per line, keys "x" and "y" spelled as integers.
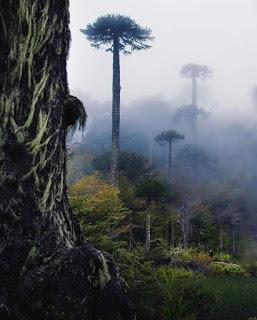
{"x": 202, "y": 258}
{"x": 102, "y": 215}
{"x": 160, "y": 248}
{"x": 231, "y": 269}
{"x": 192, "y": 255}
{"x": 222, "y": 257}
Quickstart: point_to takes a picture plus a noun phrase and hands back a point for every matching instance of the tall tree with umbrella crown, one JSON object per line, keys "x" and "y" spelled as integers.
{"x": 169, "y": 137}
{"x": 118, "y": 33}
{"x": 195, "y": 71}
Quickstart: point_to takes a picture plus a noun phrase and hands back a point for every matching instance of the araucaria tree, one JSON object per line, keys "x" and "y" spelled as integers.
{"x": 195, "y": 71}
{"x": 192, "y": 112}
{"x": 117, "y": 33}
{"x": 169, "y": 137}
{"x": 47, "y": 271}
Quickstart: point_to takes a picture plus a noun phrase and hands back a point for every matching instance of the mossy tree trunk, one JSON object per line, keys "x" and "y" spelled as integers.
{"x": 114, "y": 174}
{"x": 46, "y": 269}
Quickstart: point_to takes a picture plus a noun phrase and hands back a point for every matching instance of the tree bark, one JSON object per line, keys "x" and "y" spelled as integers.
{"x": 115, "y": 114}
{"x": 47, "y": 271}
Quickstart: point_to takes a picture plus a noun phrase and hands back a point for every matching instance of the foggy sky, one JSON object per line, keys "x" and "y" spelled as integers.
{"x": 219, "y": 33}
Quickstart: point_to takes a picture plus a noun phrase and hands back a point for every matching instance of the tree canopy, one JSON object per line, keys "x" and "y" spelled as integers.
{"x": 193, "y": 70}
{"x": 105, "y": 29}
{"x": 132, "y": 165}
{"x": 169, "y": 136}
{"x": 151, "y": 189}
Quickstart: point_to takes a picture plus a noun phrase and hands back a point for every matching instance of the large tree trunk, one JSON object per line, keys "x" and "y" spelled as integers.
{"x": 115, "y": 114}
{"x": 46, "y": 269}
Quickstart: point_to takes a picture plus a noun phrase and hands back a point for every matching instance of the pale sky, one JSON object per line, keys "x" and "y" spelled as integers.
{"x": 219, "y": 33}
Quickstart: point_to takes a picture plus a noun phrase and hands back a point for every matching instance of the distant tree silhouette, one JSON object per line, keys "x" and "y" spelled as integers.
{"x": 195, "y": 71}
{"x": 190, "y": 113}
{"x": 120, "y": 34}
{"x": 169, "y": 137}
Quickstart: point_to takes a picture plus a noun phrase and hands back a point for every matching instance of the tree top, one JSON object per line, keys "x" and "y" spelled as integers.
{"x": 194, "y": 70}
{"x": 106, "y": 29}
{"x": 169, "y": 136}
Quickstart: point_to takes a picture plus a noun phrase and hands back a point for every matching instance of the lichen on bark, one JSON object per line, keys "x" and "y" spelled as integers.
{"x": 45, "y": 270}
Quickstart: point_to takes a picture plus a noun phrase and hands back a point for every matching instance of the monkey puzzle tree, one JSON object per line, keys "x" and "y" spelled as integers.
{"x": 195, "y": 71}
{"x": 169, "y": 137}
{"x": 191, "y": 112}
{"x": 119, "y": 34}
{"x": 47, "y": 271}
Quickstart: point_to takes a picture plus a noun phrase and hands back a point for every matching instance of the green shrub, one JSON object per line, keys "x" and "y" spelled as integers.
{"x": 159, "y": 249}
{"x": 229, "y": 269}
{"x": 192, "y": 255}
{"x": 222, "y": 257}
{"x": 184, "y": 255}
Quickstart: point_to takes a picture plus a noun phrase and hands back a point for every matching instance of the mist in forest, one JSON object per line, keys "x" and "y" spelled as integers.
{"x": 221, "y": 154}
{"x": 152, "y": 89}
{"x": 214, "y": 33}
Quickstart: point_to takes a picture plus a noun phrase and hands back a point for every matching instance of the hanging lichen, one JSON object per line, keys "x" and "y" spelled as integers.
{"x": 33, "y": 118}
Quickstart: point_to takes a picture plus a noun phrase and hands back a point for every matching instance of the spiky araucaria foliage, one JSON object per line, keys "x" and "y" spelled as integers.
{"x": 194, "y": 70}
{"x": 119, "y": 34}
{"x": 131, "y": 35}
{"x": 169, "y": 137}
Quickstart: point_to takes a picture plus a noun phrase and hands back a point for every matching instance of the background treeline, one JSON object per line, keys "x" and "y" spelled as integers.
{"x": 185, "y": 245}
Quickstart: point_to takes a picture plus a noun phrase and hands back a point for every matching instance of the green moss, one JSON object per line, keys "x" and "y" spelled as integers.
{"x": 46, "y": 195}
{"x": 104, "y": 276}
{"x": 33, "y": 253}
{"x": 35, "y": 32}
